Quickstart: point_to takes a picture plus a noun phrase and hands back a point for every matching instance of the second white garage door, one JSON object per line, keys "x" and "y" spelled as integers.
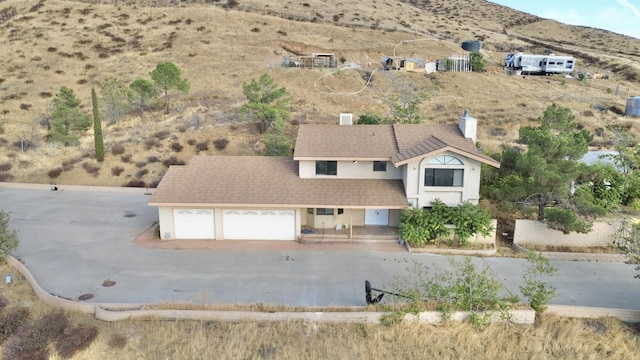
{"x": 259, "y": 224}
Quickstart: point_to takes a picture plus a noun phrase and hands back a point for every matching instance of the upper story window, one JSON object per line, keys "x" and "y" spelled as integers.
{"x": 445, "y": 160}
{"x": 324, "y": 167}
{"x": 444, "y": 176}
{"x": 379, "y": 166}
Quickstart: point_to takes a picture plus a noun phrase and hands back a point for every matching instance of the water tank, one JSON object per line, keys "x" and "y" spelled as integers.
{"x": 472, "y": 45}
{"x": 633, "y": 106}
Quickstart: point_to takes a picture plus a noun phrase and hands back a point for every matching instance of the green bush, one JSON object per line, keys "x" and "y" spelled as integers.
{"x": 535, "y": 288}
{"x": 8, "y": 238}
{"x": 460, "y": 287}
{"x": 429, "y": 226}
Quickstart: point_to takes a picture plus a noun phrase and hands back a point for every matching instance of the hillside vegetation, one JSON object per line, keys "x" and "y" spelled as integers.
{"x": 221, "y": 44}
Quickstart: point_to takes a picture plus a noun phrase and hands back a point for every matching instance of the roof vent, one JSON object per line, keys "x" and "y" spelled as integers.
{"x": 346, "y": 119}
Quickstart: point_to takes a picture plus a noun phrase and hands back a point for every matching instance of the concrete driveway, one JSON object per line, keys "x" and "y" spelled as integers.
{"x": 72, "y": 241}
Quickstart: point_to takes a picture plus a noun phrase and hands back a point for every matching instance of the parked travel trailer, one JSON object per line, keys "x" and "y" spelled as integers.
{"x": 539, "y": 64}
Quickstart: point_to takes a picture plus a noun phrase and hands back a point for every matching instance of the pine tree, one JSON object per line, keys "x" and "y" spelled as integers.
{"x": 67, "y": 118}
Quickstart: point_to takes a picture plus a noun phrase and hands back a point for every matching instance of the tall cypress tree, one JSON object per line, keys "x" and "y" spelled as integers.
{"x": 97, "y": 127}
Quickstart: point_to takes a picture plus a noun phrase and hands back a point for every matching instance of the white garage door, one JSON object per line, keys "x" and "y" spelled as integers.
{"x": 193, "y": 223}
{"x": 259, "y": 224}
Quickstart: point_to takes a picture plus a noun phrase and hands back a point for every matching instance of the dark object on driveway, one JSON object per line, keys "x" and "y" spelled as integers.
{"x": 371, "y": 300}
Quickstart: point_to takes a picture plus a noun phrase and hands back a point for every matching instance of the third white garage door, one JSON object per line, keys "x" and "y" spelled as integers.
{"x": 259, "y": 224}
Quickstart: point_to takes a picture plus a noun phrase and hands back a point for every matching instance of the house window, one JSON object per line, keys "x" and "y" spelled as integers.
{"x": 324, "y": 211}
{"x": 445, "y": 160}
{"x": 310, "y": 211}
{"x": 324, "y": 167}
{"x": 379, "y": 166}
{"x": 443, "y": 177}
{"x": 340, "y": 211}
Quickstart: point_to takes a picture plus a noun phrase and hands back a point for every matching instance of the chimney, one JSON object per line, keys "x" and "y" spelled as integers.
{"x": 468, "y": 126}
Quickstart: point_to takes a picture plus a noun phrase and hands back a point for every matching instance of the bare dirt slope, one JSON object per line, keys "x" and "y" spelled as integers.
{"x": 219, "y": 45}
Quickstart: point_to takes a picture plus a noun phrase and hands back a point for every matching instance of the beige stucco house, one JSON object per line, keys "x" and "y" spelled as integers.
{"x": 344, "y": 176}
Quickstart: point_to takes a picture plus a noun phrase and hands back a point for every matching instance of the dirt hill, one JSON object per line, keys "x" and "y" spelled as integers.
{"x": 221, "y": 44}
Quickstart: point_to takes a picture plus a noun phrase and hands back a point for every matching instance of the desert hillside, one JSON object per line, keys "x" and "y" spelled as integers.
{"x": 219, "y": 45}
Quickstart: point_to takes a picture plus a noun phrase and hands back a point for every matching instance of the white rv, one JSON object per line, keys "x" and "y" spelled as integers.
{"x": 539, "y": 64}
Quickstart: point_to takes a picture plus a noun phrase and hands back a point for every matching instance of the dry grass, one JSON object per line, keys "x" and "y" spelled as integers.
{"x": 575, "y": 249}
{"x": 552, "y": 338}
{"x": 80, "y": 43}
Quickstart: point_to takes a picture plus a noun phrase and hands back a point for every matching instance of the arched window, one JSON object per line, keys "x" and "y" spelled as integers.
{"x": 447, "y": 175}
{"x": 444, "y": 160}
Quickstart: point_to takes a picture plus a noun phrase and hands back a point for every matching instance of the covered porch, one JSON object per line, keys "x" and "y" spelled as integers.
{"x": 353, "y": 233}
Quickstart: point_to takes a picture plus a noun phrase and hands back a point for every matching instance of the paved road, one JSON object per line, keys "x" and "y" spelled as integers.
{"x": 72, "y": 241}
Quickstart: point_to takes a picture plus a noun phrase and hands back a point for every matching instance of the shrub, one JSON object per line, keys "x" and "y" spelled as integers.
{"x": 91, "y": 169}
{"x": 117, "y": 170}
{"x": 152, "y": 159}
{"x": 459, "y": 287}
{"x": 191, "y": 142}
{"x": 24, "y": 348}
{"x": 172, "y": 161}
{"x": 6, "y": 177}
{"x": 161, "y": 134}
{"x": 141, "y": 164}
{"x": 50, "y": 325}
{"x": 182, "y": 128}
{"x": 10, "y": 320}
{"x": 176, "y": 146}
{"x": 422, "y": 226}
{"x": 126, "y": 158}
{"x": 220, "y": 143}
{"x": 149, "y": 143}
{"x": 31, "y": 341}
{"x": 117, "y": 149}
{"x": 136, "y": 183}
{"x": 154, "y": 183}
{"x": 54, "y": 173}
{"x": 535, "y": 288}
{"x": 3, "y": 303}
{"x": 6, "y": 166}
{"x": 75, "y": 339}
{"x": 202, "y": 146}
{"x": 119, "y": 341}
{"x": 142, "y": 173}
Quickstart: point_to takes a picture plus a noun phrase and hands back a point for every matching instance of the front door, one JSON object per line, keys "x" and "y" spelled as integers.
{"x": 376, "y": 217}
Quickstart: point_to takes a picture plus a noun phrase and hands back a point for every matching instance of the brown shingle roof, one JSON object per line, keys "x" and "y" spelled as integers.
{"x": 267, "y": 181}
{"x": 353, "y": 142}
{"x": 417, "y": 140}
{"x": 398, "y": 142}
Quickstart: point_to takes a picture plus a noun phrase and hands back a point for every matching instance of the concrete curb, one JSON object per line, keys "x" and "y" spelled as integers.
{"x": 632, "y": 316}
{"x": 60, "y": 302}
{"x": 434, "y": 317}
{"x": 570, "y": 256}
{"x": 489, "y": 252}
{"x": 334, "y": 317}
{"x": 117, "y": 312}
